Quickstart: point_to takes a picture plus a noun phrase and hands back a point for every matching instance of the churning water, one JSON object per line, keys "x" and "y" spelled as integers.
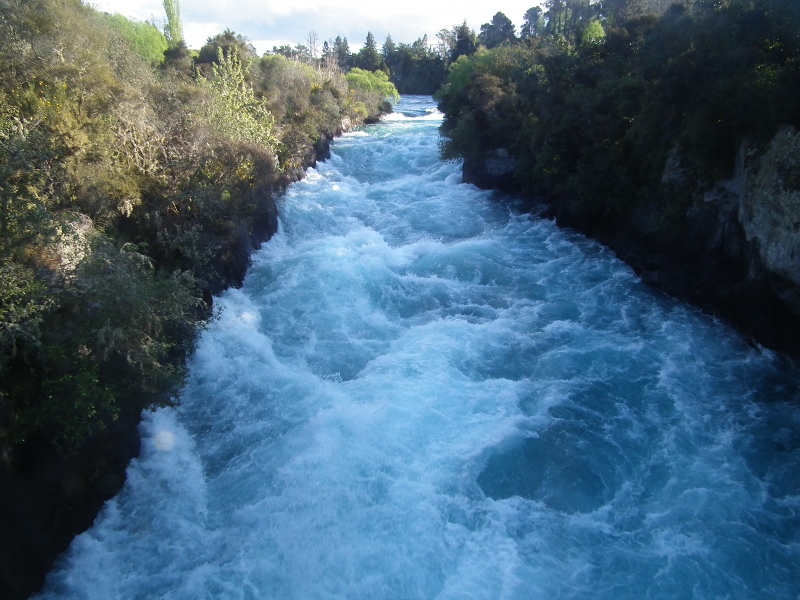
{"x": 420, "y": 394}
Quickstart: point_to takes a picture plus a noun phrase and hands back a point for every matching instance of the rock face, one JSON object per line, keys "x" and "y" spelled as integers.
{"x": 494, "y": 171}
{"x": 735, "y": 255}
{"x": 47, "y": 497}
{"x": 770, "y": 209}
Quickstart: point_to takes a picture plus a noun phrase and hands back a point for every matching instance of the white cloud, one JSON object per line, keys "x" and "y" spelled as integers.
{"x": 273, "y": 23}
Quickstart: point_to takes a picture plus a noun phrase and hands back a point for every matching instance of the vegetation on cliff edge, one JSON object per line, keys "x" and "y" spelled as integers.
{"x": 131, "y": 187}
{"x": 629, "y": 105}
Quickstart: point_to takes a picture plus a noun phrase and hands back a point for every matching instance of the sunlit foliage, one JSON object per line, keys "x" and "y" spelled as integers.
{"x": 132, "y": 187}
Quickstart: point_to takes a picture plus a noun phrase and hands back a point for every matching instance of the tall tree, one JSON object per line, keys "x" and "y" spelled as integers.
{"x": 312, "y": 41}
{"x": 420, "y": 47}
{"x": 556, "y": 17}
{"x": 500, "y": 30}
{"x": 464, "y": 42}
{"x": 389, "y": 48}
{"x": 390, "y": 55}
{"x": 533, "y": 25}
{"x": 368, "y": 57}
{"x": 173, "y": 28}
{"x": 341, "y": 50}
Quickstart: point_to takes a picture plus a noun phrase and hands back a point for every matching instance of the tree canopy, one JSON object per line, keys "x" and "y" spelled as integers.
{"x": 227, "y": 43}
{"x": 498, "y": 31}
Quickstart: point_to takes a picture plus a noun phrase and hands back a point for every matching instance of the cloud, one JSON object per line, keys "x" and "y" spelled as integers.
{"x": 275, "y": 23}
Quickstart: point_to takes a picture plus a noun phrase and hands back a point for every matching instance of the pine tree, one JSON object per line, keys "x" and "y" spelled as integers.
{"x": 534, "y": 23}
{"x": 368, "y": 57}
{"x": 500, "y": 30}
{"x": 341, "y": 51}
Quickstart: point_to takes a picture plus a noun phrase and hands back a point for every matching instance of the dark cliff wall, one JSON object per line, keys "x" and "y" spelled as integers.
{"x": 47, "y": 497}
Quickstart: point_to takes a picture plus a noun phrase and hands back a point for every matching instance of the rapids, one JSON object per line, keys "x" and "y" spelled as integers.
{"x": 420, "y": 393}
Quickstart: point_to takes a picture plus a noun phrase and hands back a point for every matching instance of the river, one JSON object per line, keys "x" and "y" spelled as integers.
{"x": 421, "y": 393}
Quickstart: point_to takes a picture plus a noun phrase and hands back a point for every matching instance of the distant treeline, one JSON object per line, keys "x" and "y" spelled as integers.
{"x": 420, "y": 67}
{"x": 136, "y": 176}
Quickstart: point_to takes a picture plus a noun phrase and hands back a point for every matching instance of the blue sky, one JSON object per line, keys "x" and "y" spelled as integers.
{"x": 272, "y": 23}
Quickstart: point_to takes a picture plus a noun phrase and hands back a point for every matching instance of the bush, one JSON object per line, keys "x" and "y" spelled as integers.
{"x": 232, "y": 108}
{"x": 373, "y": 82}
{"x": 145, "y": 38}
{"x": 593, "y": 124}
{"x": 127, "y": 194}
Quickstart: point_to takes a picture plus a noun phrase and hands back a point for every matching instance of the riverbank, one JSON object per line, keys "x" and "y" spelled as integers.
{"x": 136, "y": 178}
{"x": 47, "y": 496}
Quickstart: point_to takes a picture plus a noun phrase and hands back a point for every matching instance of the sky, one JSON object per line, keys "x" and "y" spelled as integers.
{"x": 279, "y": 22}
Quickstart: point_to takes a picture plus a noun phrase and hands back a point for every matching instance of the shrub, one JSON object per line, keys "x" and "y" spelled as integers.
{"x": 232, "y": 108}
{"x": 374, "y": 82}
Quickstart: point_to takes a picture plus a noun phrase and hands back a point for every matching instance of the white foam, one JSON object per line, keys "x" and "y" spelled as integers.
{"x": 430, "y": 115}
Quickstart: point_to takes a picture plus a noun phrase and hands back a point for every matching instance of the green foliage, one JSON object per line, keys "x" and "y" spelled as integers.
{"x": 341, "y": 52}
{"x": 26, "y": 171}
{"x": 128, "y": 191}
{"x": 462, "y": 42}
{"x": 414, "y": 68}
{"x": 232, "y": 108}
{"x": 173, "y": 29}
{"x": 23, "y": 305}
{"x": 227, "y": 43}
{"x": 144, "y": 37}
{"x": 593, "y": 33}
{"x": 368, "y": 57}
{"x": 376, "y": 82}
{"x": 534, "y": 23}
{"x": 499, "y": 31}
{"x": 121, "y": 322}
{"x": 593, "y": 124}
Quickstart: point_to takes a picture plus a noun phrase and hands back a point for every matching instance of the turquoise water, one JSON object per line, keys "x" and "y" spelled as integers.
{"x": 419, "y": 393}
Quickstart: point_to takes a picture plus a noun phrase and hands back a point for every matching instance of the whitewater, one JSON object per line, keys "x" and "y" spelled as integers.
{"x": 421, "y": 392}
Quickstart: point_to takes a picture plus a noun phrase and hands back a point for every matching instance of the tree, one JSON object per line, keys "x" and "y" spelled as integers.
{"x": 232, "y": 109}
{"x": 464, "y": 42}
{"x": 312, "y": 38}
{"x": 145, "y": 38}
{"x": 593, "y": 33}
{"x": 418, "y": 69}
{"x": 420, "y": 47}
{"x": 556, "y": 17}
{"x": 533, "y": 25}
{"x": 228, "y": 42}
{"x": 389, "y": 48}
{"x": 368, "y": 57}
{"x": 341, "y": 51}
{"x": 374, "y": 82}
{"x": 499, "y": 31}
{"x": 173, "y": 28}
{"x": 569, "y": 18}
